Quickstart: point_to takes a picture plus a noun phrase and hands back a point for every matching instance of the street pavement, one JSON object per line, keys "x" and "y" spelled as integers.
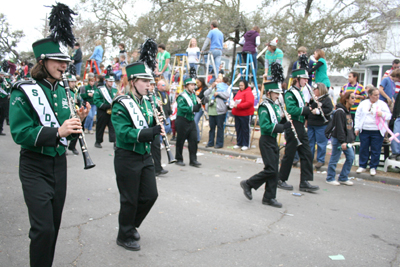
{"x": 201, "y": 218}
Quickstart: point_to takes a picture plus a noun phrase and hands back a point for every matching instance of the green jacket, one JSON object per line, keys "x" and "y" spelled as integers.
{"x": 126, "y": 132}
{"x": 7, "y": 90}
{"x": 25, "y": 125}
{"x": 266, "y": 125}
{"x": 99, "y": 99}
{"x": 85, "y": 96}
{"x": 184, "y": 110}
{"x": 292, "y": 105}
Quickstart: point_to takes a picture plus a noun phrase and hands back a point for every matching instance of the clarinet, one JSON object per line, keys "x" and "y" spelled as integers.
{"x": 81, "y": 137}
{"x": 163, "y": 114}
{"x": 171, "y": 158}
{"x": 291, "y": 123}
{"x": 316, "y": 101}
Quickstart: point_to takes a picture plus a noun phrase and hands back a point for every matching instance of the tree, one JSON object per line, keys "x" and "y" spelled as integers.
{"x": 8, "y": 39}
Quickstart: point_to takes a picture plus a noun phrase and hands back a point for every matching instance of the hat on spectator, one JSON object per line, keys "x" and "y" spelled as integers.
{"x": 274, "y": 42}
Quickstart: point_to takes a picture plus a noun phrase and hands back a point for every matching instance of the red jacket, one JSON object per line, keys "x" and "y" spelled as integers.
{"x": 246, "y": 106}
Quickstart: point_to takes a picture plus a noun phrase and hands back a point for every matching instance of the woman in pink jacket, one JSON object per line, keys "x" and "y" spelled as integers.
{"x": 243, "y": 110}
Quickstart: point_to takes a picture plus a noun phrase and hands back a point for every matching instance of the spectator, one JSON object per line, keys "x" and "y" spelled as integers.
{"x": 320, "y": 68}
{"x": 371, "y": 138}
{"x": 395, "y": 65}
{"x": 273, "y": 54}
{"x": 77, "y": 58}
{"x": 201, "y": 88}
{"x": 163, "y": 59}
{"x": 103, "y": 70}
{"x": 358, "y": 90}
{"x": 87, "y": 94}
{"x": 135, "y": 56}
{"x": 174, "y": 108}
{"x": 396, "y": 129}
{"x": 193, "y": 53}
{"x": 296, "y": 65}
{"x": 97, "y": 54}
{"x": 122, "y": 61}
{"x": 342, "y": 136}
{"x": 250, "y": 41}
{"x": 316, "y": 123}
{"x": 216, "y": 98}
{"x": 387, "y": 87}
{"x": 161, "y": 92}
{"x": 243, "y": 110}
{"x": 117, "y": 69}
{"x": 122, "y": 51}
{"x": 216, "y": 39}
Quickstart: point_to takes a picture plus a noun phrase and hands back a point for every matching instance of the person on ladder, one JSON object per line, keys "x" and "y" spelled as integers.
{"x": 103, "y": 98}
{"x": 273, "y": 54}
{"x": 250, "y": 41}
{"x": 216, "y": 40}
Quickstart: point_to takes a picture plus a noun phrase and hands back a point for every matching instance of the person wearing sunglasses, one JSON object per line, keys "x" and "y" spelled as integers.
{"x": 342, "y": 136}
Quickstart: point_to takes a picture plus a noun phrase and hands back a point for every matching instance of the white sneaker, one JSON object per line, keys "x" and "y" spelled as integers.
{"x": 333, "y": 182}
{"x": 346, "y": 182}
{"x": 244, "y": 148}
{"x": 236, "y": 147}
{"x": 360, "y": 170}
{"x": 86, "y": 131}
{"x": 372, "y": 171}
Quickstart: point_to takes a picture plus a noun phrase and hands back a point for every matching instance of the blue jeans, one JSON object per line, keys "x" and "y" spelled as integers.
{"x": 349, "y": 153}
{"x": 78, "y": 68}
{"x": 373, "y": 140}
{"x": 197, "y": 117}
{"x": 94, "y": 66}
{"x": 316, "y": 134}
{"x": 167, "y": 75}
{"x": 216, "y": 121}
{"x": 89, "y": 119}
{"x": 396, "y": 129}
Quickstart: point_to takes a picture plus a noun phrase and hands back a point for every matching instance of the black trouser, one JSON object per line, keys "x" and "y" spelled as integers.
{"x": 186, "y": 130}
{"x": 137, "y": 187}
{"x": 270, "y": 155}
{"x": 3, "y": 111}
{"x": 156, "y": 153}
{"x": 44, "y": 183}
{"x": 304, "y": 152}
{"x": 103, "y": 120}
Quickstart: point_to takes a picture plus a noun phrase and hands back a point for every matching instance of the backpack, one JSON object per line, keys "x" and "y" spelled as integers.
{"x": 331, "y": 125}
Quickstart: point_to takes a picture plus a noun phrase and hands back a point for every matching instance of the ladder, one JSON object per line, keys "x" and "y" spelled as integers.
{"x": 89, "y": 66}
{"x": 204, "y": 66}
{"x": 180, "y": 61}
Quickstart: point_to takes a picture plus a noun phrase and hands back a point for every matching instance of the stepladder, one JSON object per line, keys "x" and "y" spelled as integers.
{"x": 90, "y": 66}
{"x": 203, "y": 70}
{"x": 181, "y": 64}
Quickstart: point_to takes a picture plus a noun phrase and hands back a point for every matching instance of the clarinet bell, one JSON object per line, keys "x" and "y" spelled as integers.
{"x": 88, "y": 161}
{"x": 171, "y": 158}
{"x": 298, "y": 142}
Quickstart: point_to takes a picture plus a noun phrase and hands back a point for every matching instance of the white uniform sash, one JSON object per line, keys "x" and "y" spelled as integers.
{"x": 43, "y": 109}
{"x": 135, "y": 112}
{"x": 105, "y": 94}
{"x": 3, "y": 92}
{"x": 300, "y": 100}
{"x": 271, "y": 111}
{"x": 188, "y": 99}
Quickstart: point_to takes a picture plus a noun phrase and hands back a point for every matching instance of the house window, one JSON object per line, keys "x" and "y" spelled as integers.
{"x": 375, "y": 74}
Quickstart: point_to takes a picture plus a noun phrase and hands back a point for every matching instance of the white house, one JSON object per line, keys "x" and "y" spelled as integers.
{"x": 386, "y": 47}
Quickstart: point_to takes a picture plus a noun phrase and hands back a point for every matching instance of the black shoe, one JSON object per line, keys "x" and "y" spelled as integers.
{"x": 129, "y": 245}
{"x": 74, "y": 151}
{"x": 398, "y": 158}
{"x": 283, "y": 185}
{"x": 295, "y": 163}
{"x": 393, "y": 156}
{"x": 218, "y": 147}
{"x": 246, "y": 190}
{"x": 173, "y": 138}
{"x": 307, "y": 187}
{"x": 180, "y": 163}
{"x": 98, "y": 145}
{"x": 1, "y": 133}
{"x": 272, "y": 202}
{"x": 195, "y": 164}
{"x": 136, "y": 235}
{"x": 161, "y": 172}
{"x": 209, "y": 146}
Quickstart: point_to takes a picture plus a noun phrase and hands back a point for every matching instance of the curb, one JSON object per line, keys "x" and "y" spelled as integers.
{"x": 365, "y": 176}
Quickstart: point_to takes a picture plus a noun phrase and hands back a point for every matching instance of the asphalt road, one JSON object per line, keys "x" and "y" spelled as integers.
{"x": 201, "y": 218}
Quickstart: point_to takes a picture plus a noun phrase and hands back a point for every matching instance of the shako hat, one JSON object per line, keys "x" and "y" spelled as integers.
{"x": 300, "y": 73}
{"x": 109, "y": 78}
{"x": 189, "y": 81}
{"x": 71, "y": 77}
{"x": 272, "y": 87}
{"x": 138, "y": 70}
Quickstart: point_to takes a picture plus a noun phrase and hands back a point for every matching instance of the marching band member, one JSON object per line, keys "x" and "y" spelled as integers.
{"x": 270, "y": 116}
{"x": 40, "y": 122}
{"x": 185, "y": 125}
{"x": 295, "y": 106}
{"x": 5, "y": 88}
{"x": 103, "y": 98}
{"x": 132, "y": 117}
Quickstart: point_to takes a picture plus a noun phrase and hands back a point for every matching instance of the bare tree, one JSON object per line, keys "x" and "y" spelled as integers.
{"x": 8, "y": 39}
